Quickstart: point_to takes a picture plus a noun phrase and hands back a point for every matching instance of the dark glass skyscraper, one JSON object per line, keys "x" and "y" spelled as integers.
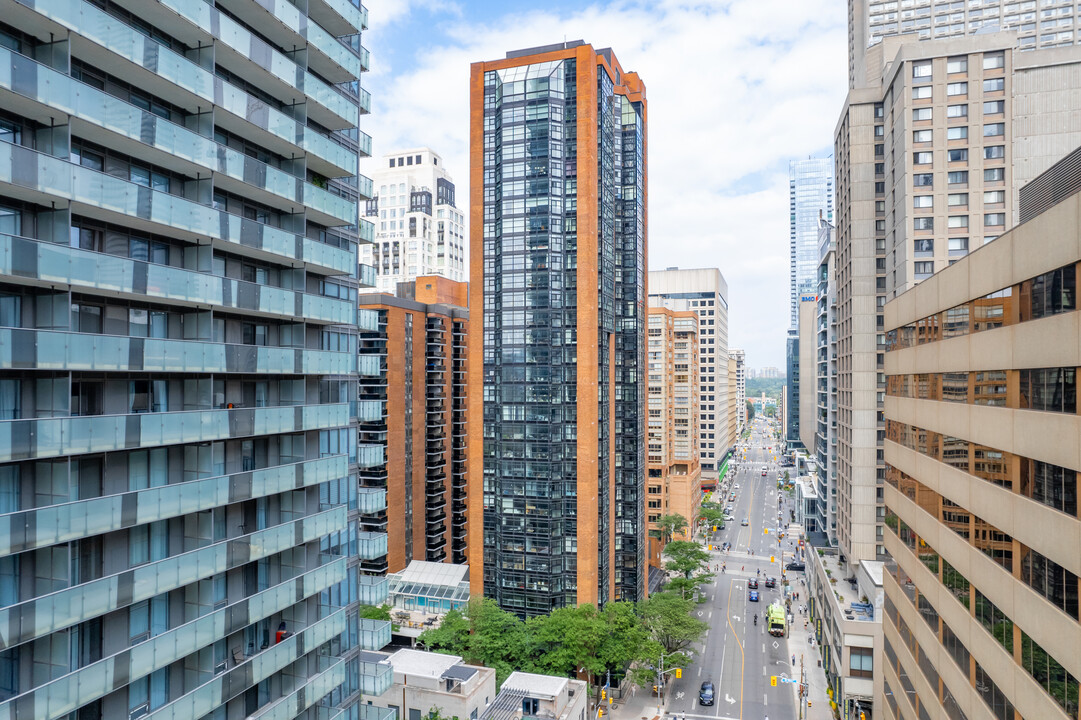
{"x": 558, "y": 183}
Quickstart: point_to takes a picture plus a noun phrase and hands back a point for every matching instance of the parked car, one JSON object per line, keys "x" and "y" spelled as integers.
{"x": 705, "y": 695}
{"x": 795, "y": 565}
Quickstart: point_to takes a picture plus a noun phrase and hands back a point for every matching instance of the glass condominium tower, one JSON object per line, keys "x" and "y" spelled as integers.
{"x": 558, "y": 258}
{"x": 180, "y": 522}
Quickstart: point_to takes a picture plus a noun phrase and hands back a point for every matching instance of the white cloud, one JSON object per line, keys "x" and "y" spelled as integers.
{"x": 736, "y": 89}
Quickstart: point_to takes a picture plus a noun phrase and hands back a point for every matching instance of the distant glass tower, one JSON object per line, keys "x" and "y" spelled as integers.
{"x": 810, "y": 197}
{"x": 558, "y": 197}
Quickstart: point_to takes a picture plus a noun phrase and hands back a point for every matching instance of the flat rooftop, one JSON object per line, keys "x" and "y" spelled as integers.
{"x": 423, "y": 664}
{"x": 548, "y": 686}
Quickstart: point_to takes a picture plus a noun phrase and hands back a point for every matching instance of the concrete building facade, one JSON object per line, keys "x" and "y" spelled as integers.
{"x": 419, "y": 228}
{"x": 558, "y": 262}
{"x": 982, "y": 473}
{"x": 705, "y": 292}
{"x": 825, "y": 441}
{"x": 674, "y": 480}
{"x": 808, "y": 389}
{"x": 426, "y": 681}
{"x": 739, "y": 386}
{"x": 181, "y": 526}
{"x": 528, "y": 696}
{"x": 420, "y": 342}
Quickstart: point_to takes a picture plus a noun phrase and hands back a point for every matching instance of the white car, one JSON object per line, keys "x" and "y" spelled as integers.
{"x": 729, "y": 517}
{"x": 744, "y": 523}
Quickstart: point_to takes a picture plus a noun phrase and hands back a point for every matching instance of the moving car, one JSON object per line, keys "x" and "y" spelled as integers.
{"x": 795, "y": 565}
{"x": 763, "y": 473}
{"x": 729, "y": 517}
{"x": 752, "y": 596}
{"x": 771, "y": 582}
{"x": 752, "y": 583}
{"x": 744, "y": 523}
{"x": 705, "y": 695}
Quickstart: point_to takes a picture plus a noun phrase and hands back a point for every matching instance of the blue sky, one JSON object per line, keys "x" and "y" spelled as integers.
{"x": 736, "y": 89}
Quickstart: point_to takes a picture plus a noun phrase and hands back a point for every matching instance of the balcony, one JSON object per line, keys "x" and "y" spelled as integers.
{"x": 371, "y": 500}
{"x": 36, "y": 177}
{"x": 59, "y": 436}
{"x": 374, "y": 634}
{"x": 169, "y": 74}
{"x": 49, "y": 700}
{"x": 373, "y": 589}
{"x": 67, "y": 522}
{"x": 376, "y": 677}
{"x": 252, "y": 670}
{"x": 371, "y": 546}
{"x": 308, "y": 694}
{"x": 155, "y": 139}
{"x": 371, "y": 456}
{"x": 56, "y": 350}
{"x": 339, "y": 13}
{"x": 50, "y": 613}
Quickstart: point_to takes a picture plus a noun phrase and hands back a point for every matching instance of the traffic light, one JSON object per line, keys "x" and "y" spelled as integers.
{"x": 679, "y": 672}
{"x": 773, "y": 680}
{"x": 714, "y": 528}
{"x": 604, "y": 694}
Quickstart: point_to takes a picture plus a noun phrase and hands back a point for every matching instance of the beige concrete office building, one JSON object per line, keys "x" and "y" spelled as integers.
{"x": 674, "y": 475}
{"x": 982, "y": 461}
{"x": 705, "y": 292}
{"x": 931, "y": 147}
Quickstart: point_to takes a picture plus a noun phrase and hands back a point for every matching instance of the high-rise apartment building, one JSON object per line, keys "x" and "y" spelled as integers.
{"x": 808, "y": 389}
{"x": 558, "y": 303}
{"x": 739, "y": 386}
{"x": 1048, "y": 24}
{"x": 178, "y": 363}
{"x": 932, "y": 152}
{"x": 982, "y": 475}
{"x": 420, "y": 346}
{"x": 674, "y": 483}
{"x": 810, "y": 197}
{"x": 735, "y": 425}
{"x": 704, "y": 292}
{"x": 825, "y": 445}
{"x": 419, "y": 229}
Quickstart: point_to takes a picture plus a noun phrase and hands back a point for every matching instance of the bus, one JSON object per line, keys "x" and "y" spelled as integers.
{"x": 775, "y": 620}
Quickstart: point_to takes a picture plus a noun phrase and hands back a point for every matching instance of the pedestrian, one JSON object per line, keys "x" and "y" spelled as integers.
{"x": 793, "y": 659}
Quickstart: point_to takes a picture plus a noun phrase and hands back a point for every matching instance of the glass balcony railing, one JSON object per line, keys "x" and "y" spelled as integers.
{"x": 371, "y": 546}
{"x": 367, "y": 276}
{"x": 93, "y": 681}
{"x": 303, "y": 697}
{"x": 326, "y": 202}
{"x": 58, "y": 436}
{"x": 54, "y": 263}
{"x": 371, "y": 500}
{"x": 374, "y": 634}
{"x": 369, "y": 366}
{"x": 363, "y": 17}
{"x": 365, "y": 58}
{"x": 369, "y": 410}
{"x": 368, "y": 320}
{"x": 58, "y": 350}
{"x": 324, "y": 42}
{"x": 367, "y": 455}
{"x": 61, "y": 609}
{"x": 364, "y": 142}
{"x": 376, "y": 675}
{"x": 67, "y": 522}
{"x": 366, "y": 231}
{"x": 349, "y": 12}
{"x": 102, "y": 191}
{"x": 341, "y": 106}
{"x": 205, "y": 698}
{"x": 365, "y": 99}
{"x": 373, "y": 589}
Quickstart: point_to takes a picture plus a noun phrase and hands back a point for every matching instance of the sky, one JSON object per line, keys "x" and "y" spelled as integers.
{"x": 736, "y": 90}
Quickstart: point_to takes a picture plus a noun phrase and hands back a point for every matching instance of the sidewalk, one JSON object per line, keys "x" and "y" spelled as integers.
{"x": 800, "y": 644}
{"x": 641, "y": 705}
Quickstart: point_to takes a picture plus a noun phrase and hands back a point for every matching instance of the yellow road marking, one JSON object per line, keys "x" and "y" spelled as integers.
{"x": 742, "y": 659}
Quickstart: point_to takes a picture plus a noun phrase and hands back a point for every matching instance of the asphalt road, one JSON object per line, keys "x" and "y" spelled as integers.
{"x": 738, "y": 656}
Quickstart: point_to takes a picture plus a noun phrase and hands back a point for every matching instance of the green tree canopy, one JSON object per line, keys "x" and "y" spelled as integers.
{"x": 685, "y": 557}
{"x": 670, "y": 622}
{"x": 750, "y": 411}
{"x": 670, "y": 525}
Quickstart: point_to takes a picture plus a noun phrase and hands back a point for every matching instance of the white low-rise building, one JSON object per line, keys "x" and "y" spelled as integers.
{"x": 525, "y": 696}
{"x": 427, "y": 680}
